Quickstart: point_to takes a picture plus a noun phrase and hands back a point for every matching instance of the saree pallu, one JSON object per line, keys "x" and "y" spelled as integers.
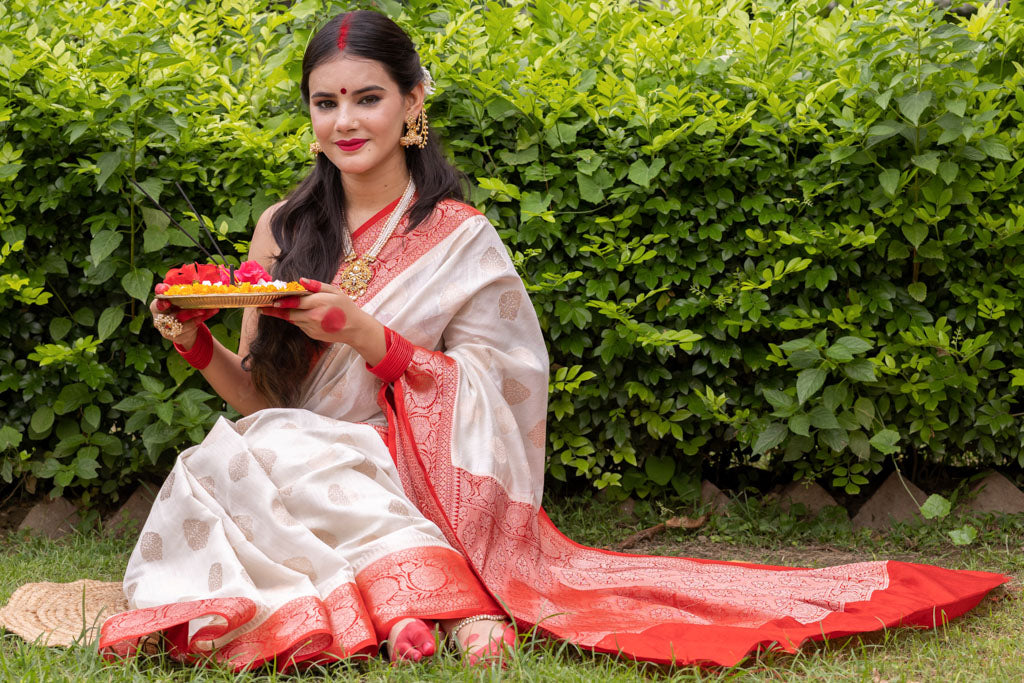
{"x": 305, "y": 533}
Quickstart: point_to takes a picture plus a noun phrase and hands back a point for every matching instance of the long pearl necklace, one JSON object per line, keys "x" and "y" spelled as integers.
{"x": 356, "y": 274}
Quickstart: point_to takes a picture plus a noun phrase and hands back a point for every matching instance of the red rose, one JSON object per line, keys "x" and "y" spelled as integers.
{"x": 211, "y": 272}
{"x": 184, "y": 275}
{"x": 252, "y": 272}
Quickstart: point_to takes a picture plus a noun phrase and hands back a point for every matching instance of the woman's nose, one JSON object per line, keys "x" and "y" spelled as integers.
{"x": 345, "y": 119}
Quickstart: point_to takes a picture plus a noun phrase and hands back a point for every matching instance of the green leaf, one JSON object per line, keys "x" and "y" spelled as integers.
{"x": 864, "y": 411}
{"x": 802, "y": 344}
{"x": 964, "y": 535}
{"x": 823, "y": 418}
{"x": 804, "y": 359}
{"x": 861, "y": 370}
{"x": 85, "y": 316}
{"x": 948, "y": 171}
{"x": 995, "y": 149}
{"x": 151, "y": 384}
{"x": 659, "y": 469}
{"x": 834, "y": 395}
{"x": 642, "y": 174}
{"x": 860, "y": 445}
{"x": 71, "y": 397}
{"x": 914, "y": 104}
{"x": 103, "y": 244}
{"x": 916, "y": 233}
{"x": 958, "y": 107}
{"x": 42, "y": 419}
{"x": 9, "y": 438}
{"x": 590, "y": 191}
{"x": 779, "y": 400}
{"x": 935, "y": 507}
{"x": 854, "y": 345}
{"x": 918, "y": 290}
{"x": 138, "y": 283}
{"x": 770, "y": 437}
{"x": 155, "y": 187}
{"x": 800, "y": 424}
{"x": 157, "y": 434}
{"x": 47, "y": 469}
{"x": 59, "y": 327}
{"x": 499, "y": 186}
{"x": 76, "y": 129}
{"x": 808, "y": 382}
{"x": 836, "y": 439}
{"x": 889, "y": 179}
{"x": 91, "y": 415}
{"x": 839, "y": 353}
{"x": 110, "y": 320}
{"x": 86, "y": 466}
{"x": 131, "y": 403}
{"x": 929, "y": 161}
{"x": 108, "y": 162}
{"x": 155, "y": 219}
{"x": 885, "y": 441}
{"x": 165, "y": 411}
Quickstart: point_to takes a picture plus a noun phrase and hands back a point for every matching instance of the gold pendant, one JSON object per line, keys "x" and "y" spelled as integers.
{"x": 356, "y": 276}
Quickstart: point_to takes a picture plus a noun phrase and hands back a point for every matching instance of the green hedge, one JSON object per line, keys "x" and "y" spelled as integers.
{"x": 782, "y": 236}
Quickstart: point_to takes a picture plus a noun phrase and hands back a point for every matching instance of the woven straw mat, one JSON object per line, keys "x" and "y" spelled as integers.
{"x": 61, "y": 614}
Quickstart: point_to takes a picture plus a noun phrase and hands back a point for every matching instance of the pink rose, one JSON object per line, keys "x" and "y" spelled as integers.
{"x": 251, "y": 272}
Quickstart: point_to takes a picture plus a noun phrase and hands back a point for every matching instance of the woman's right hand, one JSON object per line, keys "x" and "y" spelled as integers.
{"x": 177, "y": 325}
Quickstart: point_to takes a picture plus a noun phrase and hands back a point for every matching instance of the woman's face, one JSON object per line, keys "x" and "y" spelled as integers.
{"x": 357, "y": 113}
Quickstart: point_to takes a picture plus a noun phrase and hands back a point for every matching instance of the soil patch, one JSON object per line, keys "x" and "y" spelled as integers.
{"x": 12, "y": 513}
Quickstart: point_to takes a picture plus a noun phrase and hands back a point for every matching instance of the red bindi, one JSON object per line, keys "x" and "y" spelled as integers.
{"x": 344, "y": 91}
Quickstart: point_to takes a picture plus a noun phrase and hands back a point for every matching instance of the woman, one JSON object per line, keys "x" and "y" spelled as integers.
{"x": 388, "y": 474}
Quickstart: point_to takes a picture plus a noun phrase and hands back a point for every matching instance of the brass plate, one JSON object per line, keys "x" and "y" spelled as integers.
{"x": 237, "y": 300}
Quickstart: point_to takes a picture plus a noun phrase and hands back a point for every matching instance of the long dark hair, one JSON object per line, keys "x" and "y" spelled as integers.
{"x": 308, "y": 227}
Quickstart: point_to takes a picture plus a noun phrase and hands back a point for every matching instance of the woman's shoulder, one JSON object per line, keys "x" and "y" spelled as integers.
{"x": 449, "y": 215}
{"x": 263, "y": 222}
{"x": 455, "y": 210}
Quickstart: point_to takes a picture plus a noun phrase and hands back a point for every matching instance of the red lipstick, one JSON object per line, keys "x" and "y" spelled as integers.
{"x": 351, "y": 145}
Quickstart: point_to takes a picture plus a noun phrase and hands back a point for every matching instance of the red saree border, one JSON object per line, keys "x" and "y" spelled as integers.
{"x": 447, "y": 216}
{"x": 305, "y": 628}
{"x": 428, "y": 582}
{"x": 358, "y": 232}
{"x": 420, "y": 438}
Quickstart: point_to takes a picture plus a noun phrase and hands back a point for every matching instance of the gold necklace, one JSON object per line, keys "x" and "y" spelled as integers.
{"x": 355, "y": 276}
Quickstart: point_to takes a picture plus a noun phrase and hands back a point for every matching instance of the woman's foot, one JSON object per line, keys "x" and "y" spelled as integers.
{"x": 485, "y": 641}
{"x": 410, "y": 640}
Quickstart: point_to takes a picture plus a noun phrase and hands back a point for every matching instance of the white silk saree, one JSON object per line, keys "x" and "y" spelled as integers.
{"x": 414, "y": 490}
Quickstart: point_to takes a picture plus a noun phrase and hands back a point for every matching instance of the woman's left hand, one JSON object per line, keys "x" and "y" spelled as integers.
{"x": 329, "y": 315}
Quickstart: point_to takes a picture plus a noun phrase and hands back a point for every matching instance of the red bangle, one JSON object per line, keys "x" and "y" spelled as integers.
{"x": 397, "y": 356}
{"x": 201, "y": 353}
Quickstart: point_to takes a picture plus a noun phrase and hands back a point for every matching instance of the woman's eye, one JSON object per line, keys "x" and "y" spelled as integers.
{"x": 324, "y": 104}
{"x": 370, "y": 99}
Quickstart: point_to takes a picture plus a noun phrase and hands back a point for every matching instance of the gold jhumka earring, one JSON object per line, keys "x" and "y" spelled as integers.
{"x": 314, "y": 149}
{"x": 416, "y": 130}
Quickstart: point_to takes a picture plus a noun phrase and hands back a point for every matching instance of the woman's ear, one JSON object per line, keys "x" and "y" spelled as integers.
{"x": 414, "y": 100}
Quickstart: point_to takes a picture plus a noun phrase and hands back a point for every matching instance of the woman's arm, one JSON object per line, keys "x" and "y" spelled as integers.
{"x": 224, "y": 372}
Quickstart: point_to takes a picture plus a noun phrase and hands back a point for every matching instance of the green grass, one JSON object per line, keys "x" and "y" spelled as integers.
{"x": 982, "y": 646}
